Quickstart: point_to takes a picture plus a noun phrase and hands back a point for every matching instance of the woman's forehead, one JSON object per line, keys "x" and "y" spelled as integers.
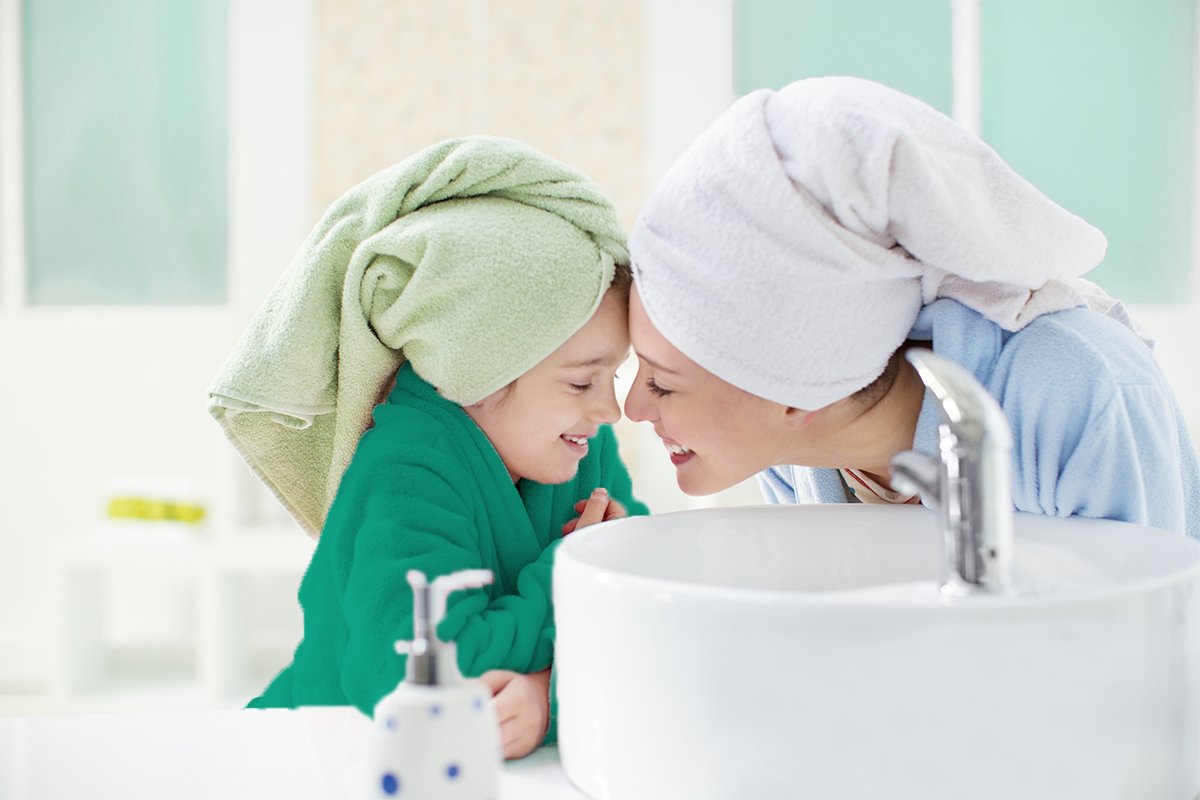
{"x": 649, "y": 344}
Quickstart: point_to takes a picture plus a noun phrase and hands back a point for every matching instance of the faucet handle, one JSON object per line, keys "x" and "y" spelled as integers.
{"x": 917, "y": 473}
{"x": 971, "y": 413}
{"x": 426, "y": 651}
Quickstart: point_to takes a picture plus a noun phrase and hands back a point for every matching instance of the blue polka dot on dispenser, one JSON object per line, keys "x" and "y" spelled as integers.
{"x": 390, "y": 784}
{"x": 435, "y": 711}
{"x": 452, "y": 772}
{"x": 478, "y": 705}
{"x": 391, "y": 723}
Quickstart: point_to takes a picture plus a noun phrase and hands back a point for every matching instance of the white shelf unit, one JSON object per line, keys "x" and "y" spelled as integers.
{"x": 214, "y": 570}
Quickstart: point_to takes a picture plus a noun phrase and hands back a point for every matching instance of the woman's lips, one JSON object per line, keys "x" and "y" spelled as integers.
{"x": 679, "y": 453}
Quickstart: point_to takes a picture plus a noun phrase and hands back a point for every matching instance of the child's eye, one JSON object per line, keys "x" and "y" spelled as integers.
{"x": 655, "y": 389}
{"x": 581, "y": 387}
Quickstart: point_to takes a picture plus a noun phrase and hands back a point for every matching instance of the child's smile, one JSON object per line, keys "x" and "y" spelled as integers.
{"x": 577, "y": 443}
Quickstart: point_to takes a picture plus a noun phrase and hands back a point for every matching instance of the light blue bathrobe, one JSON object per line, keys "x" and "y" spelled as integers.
{"x": 1097, "y": 431}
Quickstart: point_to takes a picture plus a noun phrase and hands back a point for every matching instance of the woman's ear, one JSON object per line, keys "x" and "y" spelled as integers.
{"x": 797, "y": 417}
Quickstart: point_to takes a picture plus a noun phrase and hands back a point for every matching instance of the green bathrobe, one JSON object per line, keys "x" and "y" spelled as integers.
{"x": 426, "y": 490}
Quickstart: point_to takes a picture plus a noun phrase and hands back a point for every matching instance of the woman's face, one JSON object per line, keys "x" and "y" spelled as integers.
{"x": 716, "y": 434}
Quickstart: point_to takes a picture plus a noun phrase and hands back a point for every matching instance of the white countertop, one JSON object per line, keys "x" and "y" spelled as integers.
{"x": 307, "y": 753}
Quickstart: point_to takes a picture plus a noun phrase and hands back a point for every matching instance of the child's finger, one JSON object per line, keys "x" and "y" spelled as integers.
{"x": 518, "y": 737}
{"x": 570, "y": 526}
{"x": 593, "y": 512}
{"x": 495, "y": 680}
{"x": 615, "y": 510}
{"x": 506, "y": 704}
{"x": 580, "y": 505}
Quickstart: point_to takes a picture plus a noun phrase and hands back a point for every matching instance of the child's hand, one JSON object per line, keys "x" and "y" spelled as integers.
{"x": 522, "y": 704}
{"x": 597, "y": 508}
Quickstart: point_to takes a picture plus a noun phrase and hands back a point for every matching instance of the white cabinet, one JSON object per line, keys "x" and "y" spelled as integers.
{"x": 210, "y": 657}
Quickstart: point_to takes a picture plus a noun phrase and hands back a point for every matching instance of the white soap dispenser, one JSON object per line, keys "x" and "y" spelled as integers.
{"x": 436, "y": 735}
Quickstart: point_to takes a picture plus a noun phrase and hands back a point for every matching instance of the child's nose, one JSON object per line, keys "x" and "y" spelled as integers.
{"x": 607, "y": 409}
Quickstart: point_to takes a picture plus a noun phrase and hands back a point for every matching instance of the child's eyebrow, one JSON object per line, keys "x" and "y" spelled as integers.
{"x": 589, "y": 363}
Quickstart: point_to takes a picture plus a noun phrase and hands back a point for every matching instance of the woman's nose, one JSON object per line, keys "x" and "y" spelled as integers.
{"x": 638, "y": 403}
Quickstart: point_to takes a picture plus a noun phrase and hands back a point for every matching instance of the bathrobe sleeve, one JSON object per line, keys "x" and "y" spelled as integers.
{"x": 419, "y": 514}
{"x": 1092, "y": 439}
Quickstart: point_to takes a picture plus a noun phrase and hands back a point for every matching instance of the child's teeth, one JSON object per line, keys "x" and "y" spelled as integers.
{"x": 579, "y": 440}
{"x": 678, "y": 449}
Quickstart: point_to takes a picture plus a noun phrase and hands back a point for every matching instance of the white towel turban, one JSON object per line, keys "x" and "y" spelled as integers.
{"x": 790, "y": 249}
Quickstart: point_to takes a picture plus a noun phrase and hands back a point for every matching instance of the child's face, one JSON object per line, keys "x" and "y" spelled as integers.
{"x": 540, "y": 424}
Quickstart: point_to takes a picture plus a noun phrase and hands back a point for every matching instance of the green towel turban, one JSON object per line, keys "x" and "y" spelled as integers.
{"x": 474, "y": 259}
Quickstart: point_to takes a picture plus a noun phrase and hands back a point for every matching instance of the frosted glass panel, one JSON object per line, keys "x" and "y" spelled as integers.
{"x": 1094, "y": 102}
{"x": 902, "y": 43}
{"x": 125, "y": 151}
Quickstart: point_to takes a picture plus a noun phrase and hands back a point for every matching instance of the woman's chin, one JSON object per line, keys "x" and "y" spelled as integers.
{"x": 695, "y": 483}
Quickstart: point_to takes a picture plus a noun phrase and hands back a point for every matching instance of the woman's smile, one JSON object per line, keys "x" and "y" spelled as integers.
{"x": 679, "y": 453}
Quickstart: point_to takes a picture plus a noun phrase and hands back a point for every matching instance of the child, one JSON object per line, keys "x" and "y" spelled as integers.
{"x": 501, "y": 278}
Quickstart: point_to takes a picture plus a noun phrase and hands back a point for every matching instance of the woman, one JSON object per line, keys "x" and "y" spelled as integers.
{"x": 809, "y": 236}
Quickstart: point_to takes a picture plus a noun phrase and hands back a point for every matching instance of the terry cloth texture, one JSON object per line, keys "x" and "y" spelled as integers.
{"x": 790, "y": 249}
{"x": 1097, "y": 431}
{"x": 426, "y": 490}
{"x": 473, "y": 259}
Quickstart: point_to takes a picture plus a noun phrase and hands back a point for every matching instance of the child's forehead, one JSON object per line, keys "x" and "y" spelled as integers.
{"x": 601, "y": 353}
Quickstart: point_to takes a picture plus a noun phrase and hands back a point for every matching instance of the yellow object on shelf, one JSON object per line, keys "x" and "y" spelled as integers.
{"x": 153, "y": 509}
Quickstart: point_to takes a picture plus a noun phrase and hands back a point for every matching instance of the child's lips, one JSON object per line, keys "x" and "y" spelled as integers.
{"x": 576, "y": 442}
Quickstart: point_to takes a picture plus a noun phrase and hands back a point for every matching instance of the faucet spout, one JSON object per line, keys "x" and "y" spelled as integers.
{"x": 969, "y": 481}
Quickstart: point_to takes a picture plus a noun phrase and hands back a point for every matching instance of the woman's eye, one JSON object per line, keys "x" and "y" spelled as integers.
{"x": 581, "y": 387}
{"x": 655, "y": 389}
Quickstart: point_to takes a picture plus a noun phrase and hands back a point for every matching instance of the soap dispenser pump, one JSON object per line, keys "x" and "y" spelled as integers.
{"x": 436, "y": 736}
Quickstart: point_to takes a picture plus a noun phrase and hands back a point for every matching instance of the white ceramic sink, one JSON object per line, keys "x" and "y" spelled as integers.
{"x": 805, "y": 652}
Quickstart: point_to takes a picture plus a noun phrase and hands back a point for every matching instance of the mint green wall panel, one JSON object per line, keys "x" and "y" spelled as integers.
{"x": 902, "y": 43}
{"x": 1094, "y": 102}
{"x": 125, "y": 151}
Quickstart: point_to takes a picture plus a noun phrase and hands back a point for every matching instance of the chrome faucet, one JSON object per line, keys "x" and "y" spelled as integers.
{"x": 969, "y": 481}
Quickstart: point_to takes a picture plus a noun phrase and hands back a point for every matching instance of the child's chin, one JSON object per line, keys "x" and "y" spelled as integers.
{"x": 557, "y": 476}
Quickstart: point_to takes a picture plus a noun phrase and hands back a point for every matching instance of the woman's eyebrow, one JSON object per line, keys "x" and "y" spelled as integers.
{"x": 656, "y": 365}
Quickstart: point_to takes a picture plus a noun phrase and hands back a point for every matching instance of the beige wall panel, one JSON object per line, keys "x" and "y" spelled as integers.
{"x": 390, "y": 77}
{"x": 566, "y": 76}
{"x": 393, "y": 76}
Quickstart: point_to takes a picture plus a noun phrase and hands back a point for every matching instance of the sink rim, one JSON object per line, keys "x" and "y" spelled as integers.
{"x": 855, "y": 599}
